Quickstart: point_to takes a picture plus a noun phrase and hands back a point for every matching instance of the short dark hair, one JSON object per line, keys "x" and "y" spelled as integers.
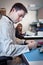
{"x": 19, "y": 6}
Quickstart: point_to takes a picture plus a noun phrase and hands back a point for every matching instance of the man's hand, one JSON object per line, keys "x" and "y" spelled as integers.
{"x": 31, "y": 43}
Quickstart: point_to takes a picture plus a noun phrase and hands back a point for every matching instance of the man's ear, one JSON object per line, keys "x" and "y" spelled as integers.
{"x": 13, "y": 9}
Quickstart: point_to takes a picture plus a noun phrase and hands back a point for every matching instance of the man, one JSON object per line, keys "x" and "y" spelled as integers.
{"x": 8, "y": 46}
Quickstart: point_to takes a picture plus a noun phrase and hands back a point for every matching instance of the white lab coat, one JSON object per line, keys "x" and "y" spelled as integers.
{"x": 8, "y": 46}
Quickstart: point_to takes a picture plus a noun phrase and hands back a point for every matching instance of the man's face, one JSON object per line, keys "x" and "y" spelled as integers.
{"x": 17, "y": 15}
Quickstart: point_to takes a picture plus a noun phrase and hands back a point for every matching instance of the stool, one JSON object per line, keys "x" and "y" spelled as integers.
{"x": 4, "y": 59}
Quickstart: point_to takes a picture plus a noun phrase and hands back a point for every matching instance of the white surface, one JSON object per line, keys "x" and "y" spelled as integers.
{"x": 33, "y": 36}
{"x": 30, "y": 33}
{"x": 36, "y": 63}
{"x": 40, "y": 33}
